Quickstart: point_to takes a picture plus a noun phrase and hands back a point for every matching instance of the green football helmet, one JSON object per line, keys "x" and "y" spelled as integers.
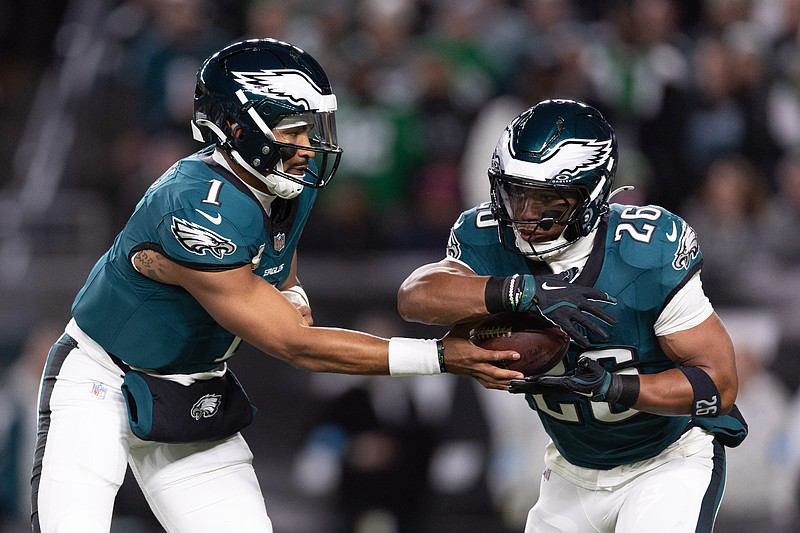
{"x": 261, "y": 85}
{"x": 563, "y": 147}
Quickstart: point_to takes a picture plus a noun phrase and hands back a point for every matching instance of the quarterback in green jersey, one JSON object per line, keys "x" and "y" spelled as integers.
{"x": 641, "y": 407}
{"x": 207, "y": 259}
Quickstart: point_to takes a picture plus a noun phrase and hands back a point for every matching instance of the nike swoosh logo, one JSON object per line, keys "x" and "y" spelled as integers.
{"x": 672, "y": 235}
{"x": 216, "y": 220}
{"x": 547, "y": 287}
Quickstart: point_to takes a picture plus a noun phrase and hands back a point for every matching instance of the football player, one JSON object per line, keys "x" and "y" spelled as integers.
{"x": 638, "y": 417}
{"x": 207, "y": 259}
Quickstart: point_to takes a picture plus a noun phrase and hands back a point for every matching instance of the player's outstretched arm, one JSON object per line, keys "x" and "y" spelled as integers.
{"x": 249, "y": 307}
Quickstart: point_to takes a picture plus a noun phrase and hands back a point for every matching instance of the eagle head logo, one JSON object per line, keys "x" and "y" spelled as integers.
{"x": 200, "y": 240}
{"x": 207, "y": 406}
{"x": 687, "y": 249}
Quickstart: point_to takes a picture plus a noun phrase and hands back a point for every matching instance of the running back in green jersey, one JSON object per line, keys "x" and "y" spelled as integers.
{"x": 201, "y": 216}
{"x": 642, "y": 255}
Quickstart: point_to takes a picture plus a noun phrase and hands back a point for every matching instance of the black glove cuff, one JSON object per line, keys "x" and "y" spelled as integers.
{"x": 624, "y": 390}
{"x": 495, "y": 294}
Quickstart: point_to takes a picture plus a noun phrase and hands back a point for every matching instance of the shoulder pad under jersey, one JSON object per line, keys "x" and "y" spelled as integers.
{"x": 651, "y": 237}
{"x": 204, "y": 218}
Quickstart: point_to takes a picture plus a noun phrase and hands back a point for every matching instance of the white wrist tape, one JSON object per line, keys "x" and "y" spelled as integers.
{"x": 413, "y": 357}
{"x": 296, "y": 295}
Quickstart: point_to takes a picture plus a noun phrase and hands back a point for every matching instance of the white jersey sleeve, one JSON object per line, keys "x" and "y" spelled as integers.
{"x": 688, "y": 308}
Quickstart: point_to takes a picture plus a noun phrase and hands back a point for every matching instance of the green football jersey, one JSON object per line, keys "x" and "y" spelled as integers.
{"x": 203, "y": 217}
{"x": 642, "y": 255}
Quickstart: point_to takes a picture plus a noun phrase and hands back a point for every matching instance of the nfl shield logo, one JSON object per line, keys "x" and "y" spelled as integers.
{"x": 279, "y": 242}
{"x": 99, "y": 391}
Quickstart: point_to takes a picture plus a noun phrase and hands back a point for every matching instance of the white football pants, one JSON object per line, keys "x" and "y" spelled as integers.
{"x": 680, "y": 496}
{"x": 85, "y": 443}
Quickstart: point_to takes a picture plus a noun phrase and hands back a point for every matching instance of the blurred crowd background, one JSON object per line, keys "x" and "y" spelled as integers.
{"x": 95, "y": 103}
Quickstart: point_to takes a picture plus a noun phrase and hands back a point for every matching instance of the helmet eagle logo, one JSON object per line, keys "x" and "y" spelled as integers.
{"x": 284, "y": 84}
{"x": 574, "y": 156}
{"x": 199, "y": 240}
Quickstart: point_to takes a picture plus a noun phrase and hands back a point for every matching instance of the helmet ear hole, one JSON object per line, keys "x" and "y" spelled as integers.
{"x": 571, "y": 233}
{"x": 237, "y": 131}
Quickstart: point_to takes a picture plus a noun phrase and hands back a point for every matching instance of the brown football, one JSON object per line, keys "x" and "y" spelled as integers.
{"x": 540, "y": 343}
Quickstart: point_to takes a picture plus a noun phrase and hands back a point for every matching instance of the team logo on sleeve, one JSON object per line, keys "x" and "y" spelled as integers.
{"x": 199, "y": 240}
{"x": 687, "y": 248}
{"x": 453, "y": 246}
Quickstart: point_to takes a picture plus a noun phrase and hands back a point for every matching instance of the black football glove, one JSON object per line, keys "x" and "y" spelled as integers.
{"x": 561, "y": 302}
{"x": 589, "y": 379}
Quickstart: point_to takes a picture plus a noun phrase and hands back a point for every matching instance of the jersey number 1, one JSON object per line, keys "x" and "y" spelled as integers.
{"x": 213, "y": 193}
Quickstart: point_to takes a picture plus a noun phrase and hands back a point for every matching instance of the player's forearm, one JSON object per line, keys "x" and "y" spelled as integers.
{"x": 666, "y": 393}
{"x": 708, "y": 368}
{"x": 333, "y": 350}
{"x": 442, "y": 297}
{"x": 262, "y": 317}
{"x": 670, "y": 393}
